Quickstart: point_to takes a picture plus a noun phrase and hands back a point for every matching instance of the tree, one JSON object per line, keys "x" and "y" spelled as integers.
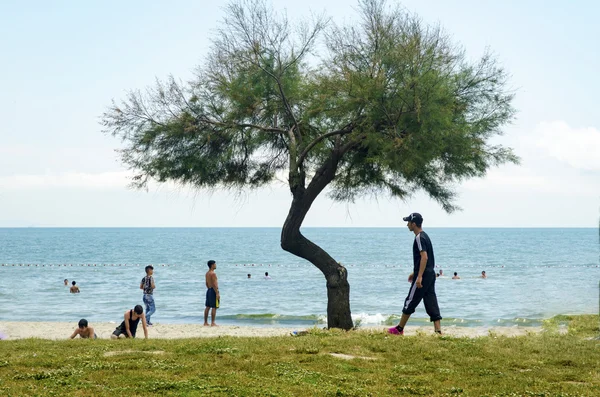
{"x": 387, "y": 105}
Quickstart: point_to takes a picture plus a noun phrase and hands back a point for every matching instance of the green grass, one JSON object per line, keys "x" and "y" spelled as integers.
{"x": 548, "y": 364}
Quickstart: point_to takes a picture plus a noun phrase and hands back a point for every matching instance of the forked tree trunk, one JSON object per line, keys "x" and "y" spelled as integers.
{"x": 292, "y": 240}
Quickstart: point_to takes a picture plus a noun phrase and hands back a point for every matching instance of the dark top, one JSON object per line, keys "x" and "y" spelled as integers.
{"x": 132, "y": 324}
{"x": 423, "y": 243}
{"x": 147, "y": 283}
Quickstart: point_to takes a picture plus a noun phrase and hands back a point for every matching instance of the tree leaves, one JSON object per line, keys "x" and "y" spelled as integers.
{"x": 391, "y": 101}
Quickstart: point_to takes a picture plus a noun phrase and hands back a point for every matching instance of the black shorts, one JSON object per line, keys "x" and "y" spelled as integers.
{"x": 211, "y": 298}
{"x": 425, "y": 294}
{"x": 122, "y": 331}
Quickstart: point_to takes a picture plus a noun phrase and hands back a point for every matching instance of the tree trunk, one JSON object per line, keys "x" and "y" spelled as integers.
{"x": 336, "y": 275}
{"x": 292, "y": 240}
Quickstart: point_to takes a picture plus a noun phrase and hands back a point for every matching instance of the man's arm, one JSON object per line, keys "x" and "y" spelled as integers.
{"x": 153, "y": 286}
{"x": 144, "y": 325}
{"x": 422, "y": 266}
{"x": 422, "y": 246}
{"x": 75, "y": 333}
{"x": 216, "y": 285}
{"x": 127, "y": 325}
{"x": 423, "y": 263}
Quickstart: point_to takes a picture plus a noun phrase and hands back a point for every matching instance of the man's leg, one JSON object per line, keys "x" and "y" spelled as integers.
{"x": 147, "y": 306}
{"x": 401, "y": 324}
{"x": 415, "y": 295}
{"x": 206, "y": 315}
{"x": 403, "y": 320}
{"x": 432, "y": 308}
{"x": 214, "y": 316}
{"x": 150, "y": 308}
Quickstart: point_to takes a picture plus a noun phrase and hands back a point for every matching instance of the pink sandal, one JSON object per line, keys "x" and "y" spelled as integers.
{"x": 394, "y": 331}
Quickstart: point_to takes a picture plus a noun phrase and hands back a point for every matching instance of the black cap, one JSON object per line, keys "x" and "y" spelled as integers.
{"x": 414, "y": 217}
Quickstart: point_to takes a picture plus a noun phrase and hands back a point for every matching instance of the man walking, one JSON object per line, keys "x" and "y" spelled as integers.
{"x": 422, "y": 278}
{"x": 148, "y": 286}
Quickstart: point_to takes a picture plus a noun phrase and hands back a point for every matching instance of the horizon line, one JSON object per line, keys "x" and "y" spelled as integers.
{"x": 279, "y": 227}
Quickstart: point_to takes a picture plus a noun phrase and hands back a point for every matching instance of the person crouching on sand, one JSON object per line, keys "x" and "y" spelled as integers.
{"x": 212, "y": 293}
{"x": 84, "y": 331}
{"x": 128, "y": 327}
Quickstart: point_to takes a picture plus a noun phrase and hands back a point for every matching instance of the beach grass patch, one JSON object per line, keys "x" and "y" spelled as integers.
{"x": 543, "y": 364}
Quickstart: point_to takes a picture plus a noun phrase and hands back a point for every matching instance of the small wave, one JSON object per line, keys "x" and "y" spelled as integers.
{"x": 275, "y": 318}
{"x": 367, "y": 319}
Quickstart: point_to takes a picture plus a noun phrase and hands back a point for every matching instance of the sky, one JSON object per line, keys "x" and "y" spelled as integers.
{"x": 63, "y": 62}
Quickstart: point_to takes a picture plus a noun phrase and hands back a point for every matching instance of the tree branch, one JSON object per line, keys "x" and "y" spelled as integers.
{"x": 346, "y": 130}
{"x": 350, "y": 144}
{"x": 293, "y": 150}
{"x": 246, "y": 125}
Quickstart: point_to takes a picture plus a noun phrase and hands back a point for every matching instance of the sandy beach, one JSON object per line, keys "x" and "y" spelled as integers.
{"x": 10, "y": 330}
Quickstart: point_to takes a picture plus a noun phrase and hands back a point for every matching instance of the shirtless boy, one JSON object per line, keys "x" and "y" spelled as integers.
{"x": 74, "y": 289}
{"x": 84, "y": 331}
{"x": 212, "y": 293}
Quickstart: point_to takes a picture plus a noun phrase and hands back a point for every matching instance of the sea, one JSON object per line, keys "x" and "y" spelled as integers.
{"x": 533, "y": 274}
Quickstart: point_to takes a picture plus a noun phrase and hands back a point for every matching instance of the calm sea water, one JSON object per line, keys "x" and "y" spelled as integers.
{"x": 533, "y": 274}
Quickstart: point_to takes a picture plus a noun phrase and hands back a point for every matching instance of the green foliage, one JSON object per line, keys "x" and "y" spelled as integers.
{"x": 544, "y": 364}
{"x": 389, "y": 102}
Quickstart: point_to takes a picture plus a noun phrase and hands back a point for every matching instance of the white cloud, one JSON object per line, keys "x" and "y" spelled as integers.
{"x": 103, "y": 180}
{"x": 512, "y": 178}
{"x": 578, "y": 147}
{"x": 555, "y": 158}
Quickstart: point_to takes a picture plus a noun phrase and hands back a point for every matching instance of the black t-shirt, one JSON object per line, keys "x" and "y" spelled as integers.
{"x": 423, "y": 243}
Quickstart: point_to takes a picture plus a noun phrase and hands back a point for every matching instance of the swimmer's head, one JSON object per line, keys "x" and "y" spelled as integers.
{"x": 83, "y": 323}
{"x": 211, "y": 263}
{"x": 73, "y": 283}
{"x": 138, "y": 309}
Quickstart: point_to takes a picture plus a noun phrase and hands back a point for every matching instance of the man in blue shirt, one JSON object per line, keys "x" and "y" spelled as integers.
{"x": 422, "y": 278}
